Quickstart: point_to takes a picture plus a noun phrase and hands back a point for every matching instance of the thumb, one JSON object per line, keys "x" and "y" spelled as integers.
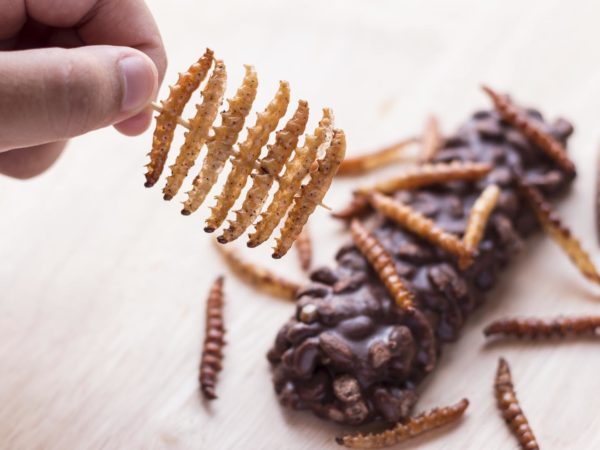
{"x": 53, "y": 94}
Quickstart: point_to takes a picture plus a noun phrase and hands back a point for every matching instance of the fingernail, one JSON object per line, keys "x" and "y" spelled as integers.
{"x": 138, "y": 82}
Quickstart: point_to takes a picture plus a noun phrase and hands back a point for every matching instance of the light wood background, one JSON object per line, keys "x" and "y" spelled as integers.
{"x": 102, "y": 284}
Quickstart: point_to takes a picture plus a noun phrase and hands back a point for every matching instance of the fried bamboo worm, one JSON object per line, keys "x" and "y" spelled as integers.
{"x": 365, "y": 163}
{"x": 531, "y": 130}
{"x": 311, "y": 194}
{"x": 220, "y": 146}
{"x": 357, "y": 207}
{"x": 554, "y": 227}
{"x": 259, "y": 277}
{"x": 289, "y": 183}
{"x": 532, "y": 328}
{"x": 286, "y": 141}
{"x": 431, "y": 141}
{"x": 422, "y": 226}
{"x": 479, "y": 216}
{"x": 415, "y": 426}
{"x": 303, "y": 246}
{"x": 511, "y": 410}
{"x": 383, "y": 263}
{"x": 200, "y": 124}
{"x": 428, "y": 174}
{"x": 171, "y": 110}
{"x": 212, "y": 351}
{"x": 249, "y": 150}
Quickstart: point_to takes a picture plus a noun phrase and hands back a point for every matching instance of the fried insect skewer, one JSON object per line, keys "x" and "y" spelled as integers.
{"x": 428, "y": 174}
{"x": 511, "y": 410}
{"x": 431, "y": 141}
{"x": 383, "y": 263}
{"x": 362, "y": 164}
{"x": 415, "y": 426}
{"x": 531, "y": 327}
{"x": 212, "y": 350}
{"x": 357, "y": 207}
{"x": 531, "y": 130}
{"x": 479, "y": 216}
{"x": 303, "y": 246}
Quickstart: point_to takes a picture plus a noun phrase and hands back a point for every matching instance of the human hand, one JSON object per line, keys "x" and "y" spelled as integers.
{"x": 71, "y": 66}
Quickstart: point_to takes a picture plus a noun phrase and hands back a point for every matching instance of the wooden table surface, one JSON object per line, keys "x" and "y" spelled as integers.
{"x": 102, "y": 284}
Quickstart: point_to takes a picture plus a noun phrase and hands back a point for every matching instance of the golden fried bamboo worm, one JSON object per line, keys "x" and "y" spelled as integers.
{"x": 415, "y": 426}
{"x": 286, "y": 141}
{"x": 357, "y": 207}
{"x": 311, "y": 194}
{"x": 289, "y": 183}
{"x": 249, "y": 150}
{"x": 511, "y": 410}
{"x": 220, "y": 146}
{"x": 531, "y": 327}
{"x": 170, "y": 113}
{"x": 383, "y": 263}
{"x": 259, "y": 277}
{"x": 200, "y": 125}
{"x": 422, "y": 226}
{"x": 554, "y": 227}
{"x": 531, "y": 130}
{"x": 303, "y": 246}
{"x": 431, "y": 141}
{"x": 374, "y": 160}
{"x": 212, "y": 350}
{"x": 428, "y": 174}
{"x": 479, "y": 216}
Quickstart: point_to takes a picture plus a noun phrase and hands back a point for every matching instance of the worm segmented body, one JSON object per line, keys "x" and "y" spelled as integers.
{"x": 431, "y": 141}
{"x": 304, "y": 248}
{"x": 212, "y": 352}
{"x": 479, "y": 216}
{"x": 531, "y": 328}
{"x": 371, "y": 161}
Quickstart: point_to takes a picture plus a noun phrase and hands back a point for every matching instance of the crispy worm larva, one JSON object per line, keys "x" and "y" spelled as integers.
{"x": 412, "y": 427}
{"x": 220, "y": 146}
{"x": 510, "y": 408}
{"x": 259, "y": 277}
{"x": 311, "y": 194}
{"x": 531, "y": 130}
{"x": 212, "y": 351}
{"x": 200, "y": 124}
{"x": 374, "y": 160}
{"x": 357, "y": 207}
{"x": 428, "y": 174}
{"x": 383, "y": 263}
{"x": 431, "y": 141}
{"x": 249, "y": 151}
{"x": 173, "y": 106}
{"x": 303, "y": 246}
{"x": 479, "y": 216}
{"x": 289, "y": 183}
{"x": 422, "y": 226}
{"x": 531, "y": 328}
{"x": 286, "y": 141}
{"x": 552, "y": 224}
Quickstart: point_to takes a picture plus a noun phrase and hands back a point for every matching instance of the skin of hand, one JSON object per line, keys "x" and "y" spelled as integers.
{"x": 71, "y": 66}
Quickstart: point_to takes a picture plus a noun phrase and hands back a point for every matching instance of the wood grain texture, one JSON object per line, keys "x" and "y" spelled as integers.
{"x": 102, "y": 284}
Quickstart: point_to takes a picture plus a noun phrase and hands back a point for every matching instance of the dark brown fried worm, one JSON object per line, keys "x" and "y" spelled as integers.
{"x": 347, "y": 324}
{"x": 359, "y": 206}
{"x": 212, "y": 351}
{"x": 532, "y": 327}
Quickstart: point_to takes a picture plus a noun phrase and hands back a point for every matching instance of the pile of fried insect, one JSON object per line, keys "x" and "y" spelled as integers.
{"x": 331, "y": 142}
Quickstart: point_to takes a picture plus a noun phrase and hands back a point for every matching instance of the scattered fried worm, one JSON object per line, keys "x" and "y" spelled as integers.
{"x": 304, "y": 248}
{"x": 431, "y": 141}
{"x": 374, "y": 160}
{"x": 259, "y": 277}
{"x": 422, "y": 226}
{"x": 311, "y": 194}
{"x": 249, "y": 151}
{"x": 220, "y": 146}
{"x": 383, "y": 263}
{"x": 510, "y": 409}
{"x": 531, "y": 328}
{"x": 552, "y": 224}
{"x": 289, "y": 183}
{"x": 479, "y": 215}
{"x": 427, "y": 421}
{"x": 428, "y": 174}
{"x": 212, "y": 351}
{"x": 358, "y": 207}
{"x": 172, "y": 108}
{"x": 286, "y": 142}
{"x": 531, "y": 130}
{"x": 195, "y": 138}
